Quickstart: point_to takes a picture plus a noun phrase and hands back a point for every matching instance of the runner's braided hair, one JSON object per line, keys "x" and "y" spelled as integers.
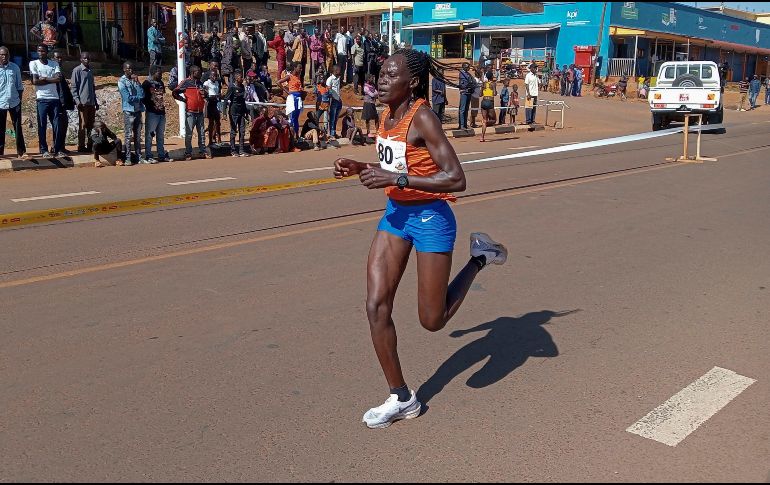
{"x": 422, "y": 66}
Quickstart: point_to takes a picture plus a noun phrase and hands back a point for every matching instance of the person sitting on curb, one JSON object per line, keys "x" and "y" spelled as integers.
{"x": 311, "y": 131}
{"x": 351, "y": 131}
{"x": 111, "y": 151}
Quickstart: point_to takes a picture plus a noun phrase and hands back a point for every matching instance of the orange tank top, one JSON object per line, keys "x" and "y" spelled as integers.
{"x": 295, "y": 84}
{"x": 395, "y": 154}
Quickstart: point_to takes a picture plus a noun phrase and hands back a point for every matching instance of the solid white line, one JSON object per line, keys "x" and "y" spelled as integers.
{"x": 188, "y": 182}
{"x": 309, "y": 170}
{"x": 567, "y": 142}
{"x": 469, "y": 153}
{"x": 589, "y": 144}
{"x": 675, "y": 419}
{"x": 523, "y": 148}
{"x": 74, "y": 194}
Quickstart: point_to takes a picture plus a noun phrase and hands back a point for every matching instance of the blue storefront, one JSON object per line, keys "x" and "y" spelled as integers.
{"x": 631, "y": 37}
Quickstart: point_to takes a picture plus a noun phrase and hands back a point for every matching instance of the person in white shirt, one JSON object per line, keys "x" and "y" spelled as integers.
{"x": 341, "y": 44}
{"x": 335, "y": 105}
{"x": 213, "y": 87}
{"x": 46, "y": 75}
{"x": 531, "y": 87}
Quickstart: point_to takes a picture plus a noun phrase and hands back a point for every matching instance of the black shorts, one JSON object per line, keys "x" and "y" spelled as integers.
{"x": 487, "y": 104}
{"x": 212, "y": 110}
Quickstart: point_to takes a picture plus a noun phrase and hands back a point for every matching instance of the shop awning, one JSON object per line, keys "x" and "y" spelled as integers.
{"x": 192, "y": 7}
{"x": 440, "y": 25}
{"x": 203, "y": 6}
{"x": 513, "y": 28}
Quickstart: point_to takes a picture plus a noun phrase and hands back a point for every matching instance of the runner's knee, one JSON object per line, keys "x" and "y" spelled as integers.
{"x": 378, "y": 309}
{"x": 432, "y": 320}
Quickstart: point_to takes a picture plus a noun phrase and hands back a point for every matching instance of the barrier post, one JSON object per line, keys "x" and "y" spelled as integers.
{"x": 685, "y": 155}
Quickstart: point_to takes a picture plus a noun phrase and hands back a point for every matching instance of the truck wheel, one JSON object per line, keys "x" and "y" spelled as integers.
{"x": 657, "y": 122}
{"x": 720, "y": 116}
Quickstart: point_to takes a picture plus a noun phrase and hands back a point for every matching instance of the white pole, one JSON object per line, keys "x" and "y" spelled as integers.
{"x": 390, "y": 30}
{"x": 182, "y": 74}
{"x": 636, "y": 47}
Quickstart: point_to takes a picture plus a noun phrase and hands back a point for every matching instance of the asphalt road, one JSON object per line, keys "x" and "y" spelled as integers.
{"x": 228, "y": 340}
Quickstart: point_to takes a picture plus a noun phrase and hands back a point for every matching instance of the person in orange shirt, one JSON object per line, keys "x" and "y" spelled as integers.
{"x": 295, "y": 93}
{"x": 419, "y": 170}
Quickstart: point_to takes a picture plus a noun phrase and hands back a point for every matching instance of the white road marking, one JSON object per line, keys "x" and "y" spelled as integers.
{"x": 685, "y": 411}
{"x": 523, "y": 148}
{"x": 469, "y": 153}
{"x": 42, "y": 197}
{"x": 309, "y": 170}
{"x": 188, "y": 182}
{"x": 567, "y": 142}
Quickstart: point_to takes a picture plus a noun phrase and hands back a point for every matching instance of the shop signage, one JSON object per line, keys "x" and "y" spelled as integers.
{"x": 629, "y": 11}
{"x": 572, "y": 14}
{"x": 700, "y": 24}
{"x": 669, "y": 18}
{"x": 443, "y": 11}
{"x": 758, "y": 41}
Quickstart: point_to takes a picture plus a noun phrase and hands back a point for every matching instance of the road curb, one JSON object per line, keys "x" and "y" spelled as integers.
{"x": 38, "y": 163}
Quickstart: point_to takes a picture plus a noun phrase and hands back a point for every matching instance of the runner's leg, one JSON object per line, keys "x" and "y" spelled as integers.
{"x": 387, "y": 260}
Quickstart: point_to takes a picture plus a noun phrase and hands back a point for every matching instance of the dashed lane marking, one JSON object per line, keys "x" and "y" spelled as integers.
{"x": 57, "y": 196}
{"x": 685, "y": 411}
{"x": 202, "y": 181}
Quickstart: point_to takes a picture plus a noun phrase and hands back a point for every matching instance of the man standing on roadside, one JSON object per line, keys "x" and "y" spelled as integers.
{"x": 155, "y": 119}
{"x": 11, "y": 88}
{"x": 45, "y": 77}
{"x": 531, "y": 86}
{"x": 467, "y": 85}
{"x": 131, "y": 95}
{"x": 84, "y": 96}
{"x": 341, "y": 48}
{"x": 743, "y": 88}
{"x": 247, "y": 53}
{"x": 195, "y": 100}
{"x": 154, "y": 42}
{"x": 754, "y": 87}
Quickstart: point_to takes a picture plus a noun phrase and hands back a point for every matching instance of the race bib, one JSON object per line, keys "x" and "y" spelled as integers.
{"x": 392, "y": 155}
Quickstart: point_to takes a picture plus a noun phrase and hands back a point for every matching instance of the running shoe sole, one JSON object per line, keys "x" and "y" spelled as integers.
{"x": 485, "y": 237}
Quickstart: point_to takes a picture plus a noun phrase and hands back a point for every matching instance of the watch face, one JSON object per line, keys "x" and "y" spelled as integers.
{"x": 402, "y": 181}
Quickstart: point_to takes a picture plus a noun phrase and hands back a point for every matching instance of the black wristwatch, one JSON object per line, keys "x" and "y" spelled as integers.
{"x": 402, "y": 181}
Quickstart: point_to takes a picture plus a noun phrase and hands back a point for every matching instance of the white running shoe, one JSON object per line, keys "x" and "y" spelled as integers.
{"x": 392, "y": 410}
{"x": 482, "y": 244}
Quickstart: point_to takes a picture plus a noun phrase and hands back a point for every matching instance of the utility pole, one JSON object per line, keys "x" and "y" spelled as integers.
{"x": 599, "y": 42}
{"x": 180, "y": 66}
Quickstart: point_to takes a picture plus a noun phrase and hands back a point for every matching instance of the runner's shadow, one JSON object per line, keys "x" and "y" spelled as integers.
{"x": 508, "y": 344}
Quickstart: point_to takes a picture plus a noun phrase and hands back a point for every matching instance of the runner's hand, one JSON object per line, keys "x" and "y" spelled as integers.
{"x": 374, "y": 177}
{"x": 345, "y": 167}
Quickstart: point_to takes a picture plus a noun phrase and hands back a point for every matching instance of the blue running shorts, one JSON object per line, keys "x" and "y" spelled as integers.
{"x": 430, "y": 227}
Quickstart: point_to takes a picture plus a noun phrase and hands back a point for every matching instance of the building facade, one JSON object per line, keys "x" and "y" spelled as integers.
{"x": 372, "y": 16}
{"x": 623, "y": 38}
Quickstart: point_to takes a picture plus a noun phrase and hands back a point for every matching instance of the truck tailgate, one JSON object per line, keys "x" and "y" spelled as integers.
{"x": 691, "y": 98}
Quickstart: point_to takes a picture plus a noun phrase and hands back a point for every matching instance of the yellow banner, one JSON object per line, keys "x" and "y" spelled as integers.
{"x": 203, "y": 6}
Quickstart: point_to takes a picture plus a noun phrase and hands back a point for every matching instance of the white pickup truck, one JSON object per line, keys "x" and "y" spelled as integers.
{"x": 686, "y": 87}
